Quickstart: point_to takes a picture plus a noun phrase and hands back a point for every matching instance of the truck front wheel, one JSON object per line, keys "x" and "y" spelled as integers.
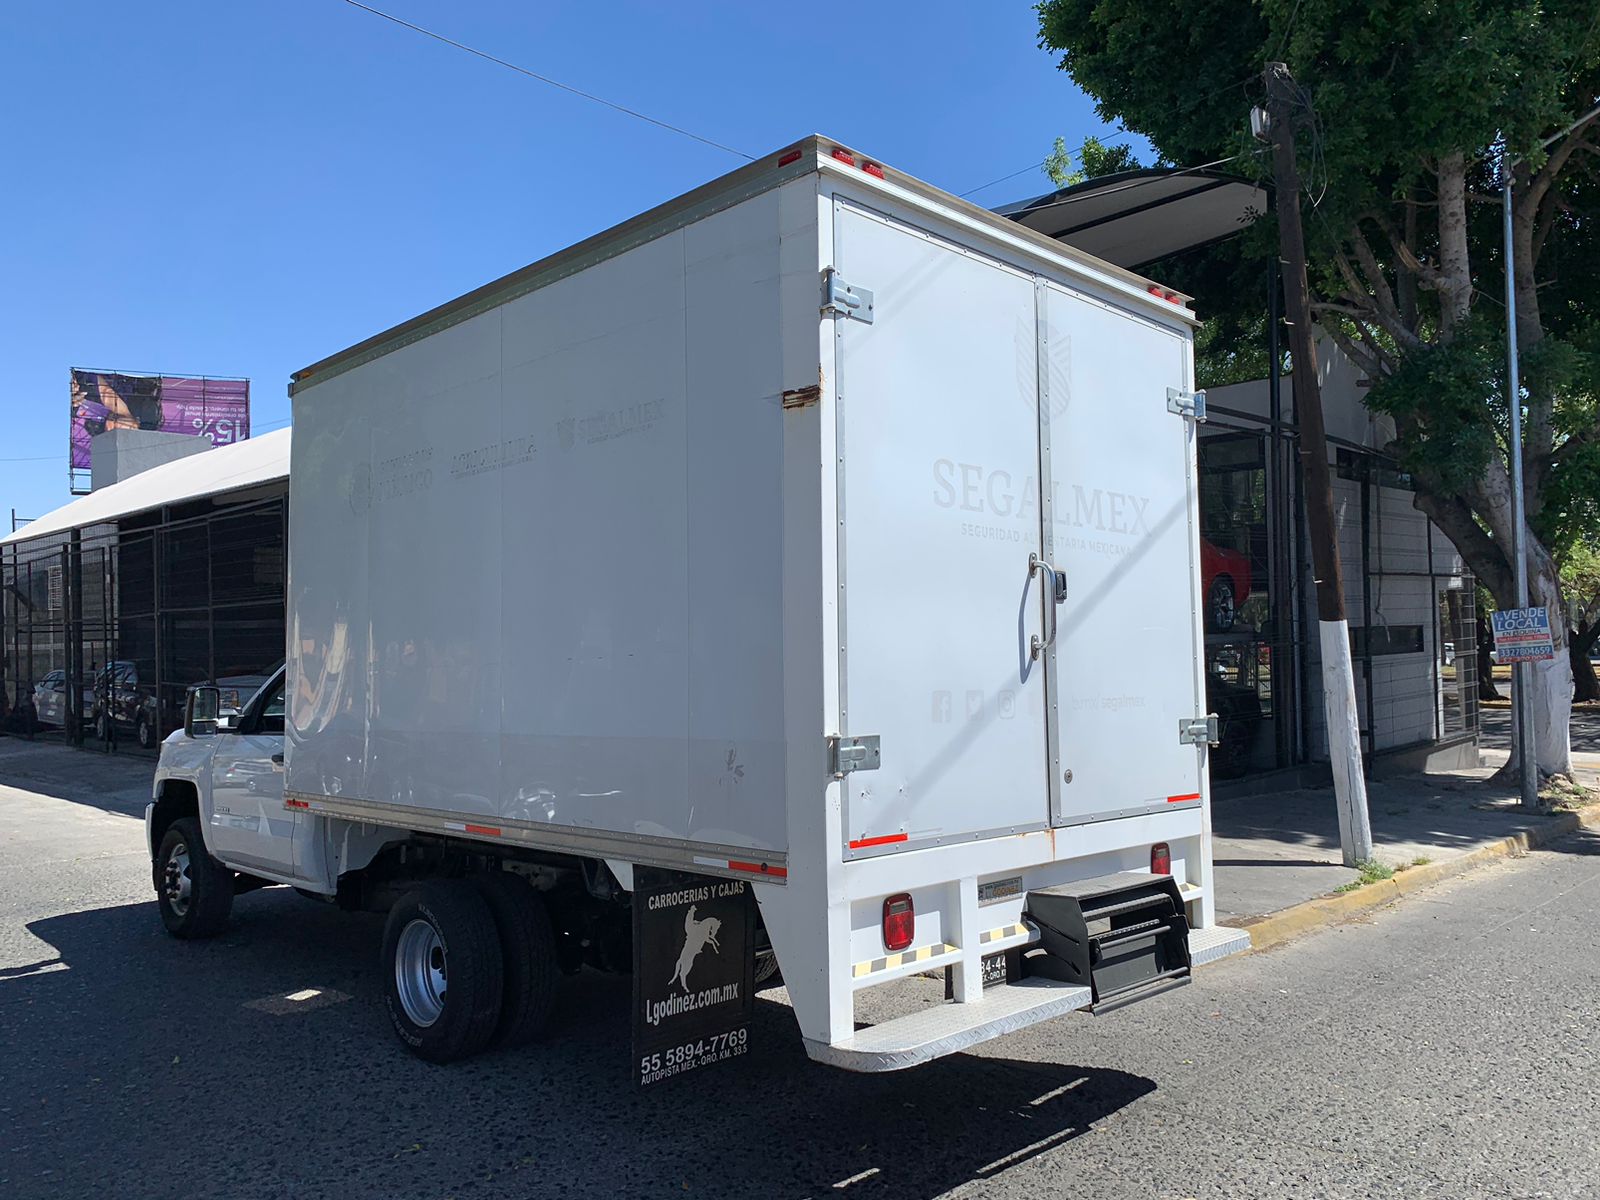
{"x": 193, "y": 890}
{"x": 442, "y": 971}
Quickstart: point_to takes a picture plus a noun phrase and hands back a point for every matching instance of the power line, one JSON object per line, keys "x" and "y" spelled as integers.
{"x": 1132, "y": 183}
{"x": 555, "y": 83}
{"x": 1107, "y": 141}
{"x": 36, "y": 458}
{"x": 1120, "y": 134}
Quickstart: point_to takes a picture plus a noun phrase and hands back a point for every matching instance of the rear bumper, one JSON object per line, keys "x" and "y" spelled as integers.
{"x": 952, "y": 1027}
{"x": 934, "y": 1032}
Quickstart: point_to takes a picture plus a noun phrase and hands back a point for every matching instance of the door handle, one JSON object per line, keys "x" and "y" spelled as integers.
{"x": 277, "y": 760}
{"x": 1056, "y": 594}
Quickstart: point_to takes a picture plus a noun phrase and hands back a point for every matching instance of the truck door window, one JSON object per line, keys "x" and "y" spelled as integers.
{"x": 269, "y": 717}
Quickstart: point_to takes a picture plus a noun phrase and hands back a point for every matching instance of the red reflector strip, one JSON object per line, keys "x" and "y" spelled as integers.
{"x": 295, "y": 804}
{"x": 759, "y": 868}
{"x": 484, "y": 830}
{"x": 792, "y": 156}
{"x": 862, "y": 843}
{"x": 1181, "y": 799}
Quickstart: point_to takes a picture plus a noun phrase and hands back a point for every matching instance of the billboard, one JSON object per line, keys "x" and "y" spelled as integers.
{"x": 203, "y": 406}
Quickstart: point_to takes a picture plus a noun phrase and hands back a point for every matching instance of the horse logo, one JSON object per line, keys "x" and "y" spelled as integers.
{"x": 697, "y": 935}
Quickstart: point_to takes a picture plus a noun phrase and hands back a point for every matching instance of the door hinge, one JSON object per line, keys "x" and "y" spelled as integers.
{"x": 1187, "y": 404}
{"x": 847, "y": 754}
{"x": 1198, "y": 731}
{"x": 841, "y": 300}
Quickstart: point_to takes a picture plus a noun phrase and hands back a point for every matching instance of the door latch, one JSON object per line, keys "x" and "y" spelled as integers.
{"x": 1187, "y": 404}
{"x": 848, "y": 754}
{"x": 839, "y": 299}
{"x": 1198, "y": 731}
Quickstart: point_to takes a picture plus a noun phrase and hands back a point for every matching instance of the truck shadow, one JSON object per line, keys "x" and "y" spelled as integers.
{"x": 271, "y": 1047}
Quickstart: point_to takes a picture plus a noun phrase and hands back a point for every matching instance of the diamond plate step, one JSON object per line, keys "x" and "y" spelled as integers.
{"x": 949, "y": 1027}
{"x": 1219, "y": 941}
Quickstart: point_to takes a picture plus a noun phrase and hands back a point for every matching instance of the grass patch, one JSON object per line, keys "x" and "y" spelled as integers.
{"x": 1560, "y": 793}
{"x": 1421, "y": 860}
{"x": 1372, "y": 871}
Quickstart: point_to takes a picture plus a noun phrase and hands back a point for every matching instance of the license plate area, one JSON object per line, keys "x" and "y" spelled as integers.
{"x": 1001, "y": 967}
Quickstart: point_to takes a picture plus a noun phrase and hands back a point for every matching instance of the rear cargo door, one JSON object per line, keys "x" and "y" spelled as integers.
{"x": 1120, "y": 467}
{"x": 939, "y": 507}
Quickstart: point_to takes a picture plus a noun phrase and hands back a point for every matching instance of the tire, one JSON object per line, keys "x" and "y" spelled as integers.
{"x": 102, "y": 727}
{"x": 442, "y": 971}
{"x": 147, "y": 738}
{"x": 767, "y": 974}
{"x": 193, "y": 890}
{"x": 528, "y": 956}
{"x": 1220, "y": 608}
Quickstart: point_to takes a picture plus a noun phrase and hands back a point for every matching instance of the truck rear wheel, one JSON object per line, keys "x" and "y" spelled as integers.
{"x": 442, "y": 971}
{"x": 193, "y": 890}
{"x": 528, "y": 952}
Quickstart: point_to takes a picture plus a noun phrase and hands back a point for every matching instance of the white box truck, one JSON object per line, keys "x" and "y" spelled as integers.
{"x": 817, "y": 537}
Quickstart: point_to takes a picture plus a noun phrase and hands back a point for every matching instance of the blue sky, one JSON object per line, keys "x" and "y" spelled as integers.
{"x": 243, "y": 188}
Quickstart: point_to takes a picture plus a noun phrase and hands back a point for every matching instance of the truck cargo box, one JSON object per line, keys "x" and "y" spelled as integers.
{"x": 817, "y": 528}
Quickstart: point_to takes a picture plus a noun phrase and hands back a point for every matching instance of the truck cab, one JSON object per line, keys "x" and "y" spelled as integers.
{"x": 225, "y": 774}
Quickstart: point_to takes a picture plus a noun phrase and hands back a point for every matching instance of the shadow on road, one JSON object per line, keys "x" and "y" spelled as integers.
{"x": 119, "y": 1033}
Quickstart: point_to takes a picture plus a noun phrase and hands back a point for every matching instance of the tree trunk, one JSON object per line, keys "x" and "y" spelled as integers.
{"x": 1455, "y": 271}
{"x": 1486, "y": 687}
{"x": 1550, "y": 681}
{"x": 1580, "y": 643}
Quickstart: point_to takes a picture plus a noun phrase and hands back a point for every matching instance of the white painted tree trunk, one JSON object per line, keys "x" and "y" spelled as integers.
{"x": 1550, "y": 685}
{"x": 1344, "y": 742}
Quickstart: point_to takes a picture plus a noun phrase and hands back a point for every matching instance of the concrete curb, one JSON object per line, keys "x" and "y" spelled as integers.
{"x": 1276, "y": 928}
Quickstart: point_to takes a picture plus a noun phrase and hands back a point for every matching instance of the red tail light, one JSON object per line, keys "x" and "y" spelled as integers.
{"x": 899, "y": 922}
{"x": 1160, "y": 859}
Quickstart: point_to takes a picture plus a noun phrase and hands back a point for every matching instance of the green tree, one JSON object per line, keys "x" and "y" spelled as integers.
{"x": 1408, "y": 108}
{"x": 1095, "y": 159}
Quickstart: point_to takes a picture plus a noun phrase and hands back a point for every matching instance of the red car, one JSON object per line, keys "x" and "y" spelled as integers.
{"x": 1225, "y": 578}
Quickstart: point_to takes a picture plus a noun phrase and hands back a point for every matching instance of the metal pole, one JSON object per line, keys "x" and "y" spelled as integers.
{"x": 1519, "y": 670}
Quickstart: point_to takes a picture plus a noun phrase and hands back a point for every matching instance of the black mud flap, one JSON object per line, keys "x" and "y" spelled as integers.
{"x": 1124, "y": 936}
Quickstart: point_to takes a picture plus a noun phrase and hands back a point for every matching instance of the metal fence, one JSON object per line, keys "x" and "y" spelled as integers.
{"x": 103, "y": 630}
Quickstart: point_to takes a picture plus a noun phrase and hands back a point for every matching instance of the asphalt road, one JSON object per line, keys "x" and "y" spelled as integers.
{"x": 1445, "y": 1048}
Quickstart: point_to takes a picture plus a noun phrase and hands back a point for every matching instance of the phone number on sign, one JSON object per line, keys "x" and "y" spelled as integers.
{"x": 655, "y": 1067}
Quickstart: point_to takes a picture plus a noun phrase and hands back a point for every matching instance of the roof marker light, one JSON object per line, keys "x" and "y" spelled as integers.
{"x": 844, "y": 156}
{"x": 792, "y": 156}
{"x": 873, "y": 169}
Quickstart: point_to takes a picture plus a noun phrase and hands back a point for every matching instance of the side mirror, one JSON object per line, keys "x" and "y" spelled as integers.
{"x": 202, "y": 712}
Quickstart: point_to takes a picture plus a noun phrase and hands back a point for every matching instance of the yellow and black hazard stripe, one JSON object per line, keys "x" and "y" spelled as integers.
{"x": 1005, "y": 931}
{"x": 920, "y": 954}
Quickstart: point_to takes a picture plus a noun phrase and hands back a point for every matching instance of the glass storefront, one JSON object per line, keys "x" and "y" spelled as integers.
{"x": 104, "y": 630}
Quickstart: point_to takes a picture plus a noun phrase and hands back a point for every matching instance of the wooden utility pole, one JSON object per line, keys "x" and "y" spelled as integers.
{"x": 1284, "y": 104}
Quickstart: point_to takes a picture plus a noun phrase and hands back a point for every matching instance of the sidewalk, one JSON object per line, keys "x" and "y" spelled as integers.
{"x": 1278, "y": 849}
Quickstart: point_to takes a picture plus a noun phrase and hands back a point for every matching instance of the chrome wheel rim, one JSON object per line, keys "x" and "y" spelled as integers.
{"x": 177, "y": 882}
{"x": 1221, "y": 606}
{"x": 420, "y": 972}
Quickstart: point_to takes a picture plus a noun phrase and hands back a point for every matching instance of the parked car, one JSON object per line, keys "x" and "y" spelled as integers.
{"x": 50, "y": 699}
{"x": 121, "y": 699}
{"x": 1225, "y": 576}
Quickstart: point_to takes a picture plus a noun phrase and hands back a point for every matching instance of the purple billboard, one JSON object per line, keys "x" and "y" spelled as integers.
{"x": 208, "y": 407}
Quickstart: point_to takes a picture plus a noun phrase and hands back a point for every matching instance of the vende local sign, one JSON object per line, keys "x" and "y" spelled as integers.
{"x": 1523, "y": 635}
